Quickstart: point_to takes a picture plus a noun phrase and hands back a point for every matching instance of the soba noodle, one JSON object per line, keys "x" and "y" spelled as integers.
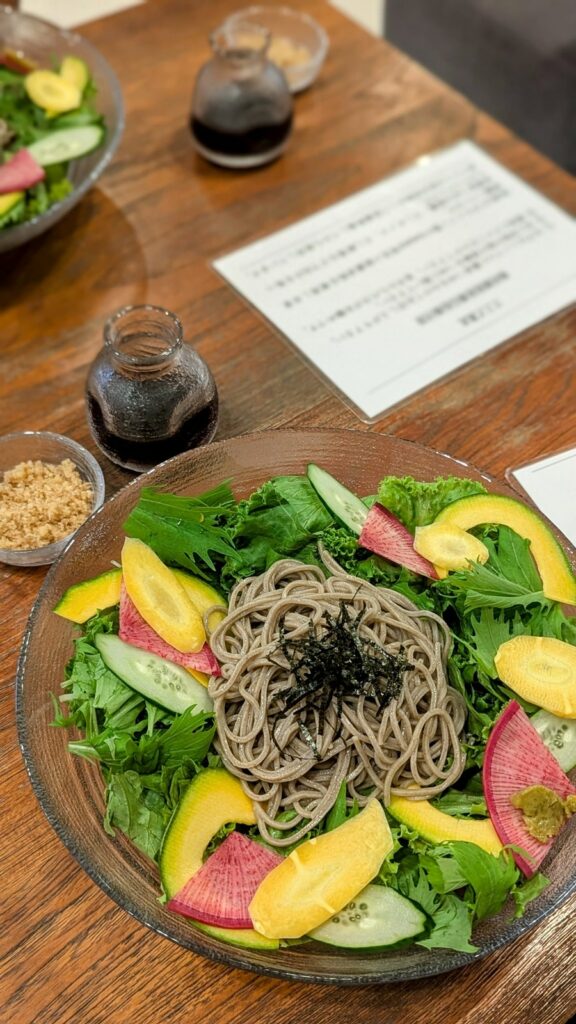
{"x": 410, "y": 747}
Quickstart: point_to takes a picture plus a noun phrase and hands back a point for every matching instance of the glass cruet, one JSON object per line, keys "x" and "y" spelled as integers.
{"x": 242, "y": 105}
{"x": 149, "y": 395}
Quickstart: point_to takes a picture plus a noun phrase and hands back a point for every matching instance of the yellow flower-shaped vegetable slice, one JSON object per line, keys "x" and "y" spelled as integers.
{"x": 52, "y": 92}
{"x": 542, "y": 670}
{"x": 448, "y": 546}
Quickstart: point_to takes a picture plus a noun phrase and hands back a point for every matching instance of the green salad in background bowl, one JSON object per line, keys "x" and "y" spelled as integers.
{"x": 61, "y": 119}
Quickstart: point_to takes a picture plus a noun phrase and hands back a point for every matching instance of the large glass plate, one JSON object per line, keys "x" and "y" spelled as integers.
{"x": 70, "y": 790}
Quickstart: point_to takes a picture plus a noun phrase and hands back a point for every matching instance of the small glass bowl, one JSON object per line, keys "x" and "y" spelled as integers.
{"x": 46, "y": 447}
{"x": 283, "y": 23}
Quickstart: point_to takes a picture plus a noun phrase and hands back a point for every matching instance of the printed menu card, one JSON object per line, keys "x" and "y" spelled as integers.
{"x": 405, "y": 281}
{"x": 551, "y": 483}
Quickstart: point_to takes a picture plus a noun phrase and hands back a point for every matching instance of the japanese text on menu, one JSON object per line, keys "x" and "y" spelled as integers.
{"x": 409, "y": 279}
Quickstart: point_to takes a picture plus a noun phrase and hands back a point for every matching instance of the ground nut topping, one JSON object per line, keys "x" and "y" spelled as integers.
{"x": 41, "y": 502}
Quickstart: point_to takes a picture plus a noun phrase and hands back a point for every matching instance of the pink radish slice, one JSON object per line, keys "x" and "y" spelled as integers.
{"x": 516, "y": 758}
{"x": 385, "y": 535}
{"x": 134, "y": 630}
{"x": 20, "y": 172}
{"x": 221, "y": 891}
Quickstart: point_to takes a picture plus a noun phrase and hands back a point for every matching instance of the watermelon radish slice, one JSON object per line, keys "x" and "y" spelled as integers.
{"x": 16, "y": 62}
{"x": 385, "y": 535}
{"x": 20, "y": 172}
{"x": 134, "y": 630}
{"x": 516, "y": 758}
{"x": 221, "y": 891}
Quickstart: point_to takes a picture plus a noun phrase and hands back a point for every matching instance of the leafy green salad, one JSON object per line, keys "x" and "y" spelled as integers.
{"x": 48, "y": 118}
{"x": 156, "y": 755}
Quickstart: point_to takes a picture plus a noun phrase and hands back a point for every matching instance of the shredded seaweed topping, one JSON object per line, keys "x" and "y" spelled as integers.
{"x": 332, "y": 662}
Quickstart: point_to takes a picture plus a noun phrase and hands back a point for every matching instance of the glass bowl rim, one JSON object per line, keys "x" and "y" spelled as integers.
{"x": 228, "y": 954}
{"x": 297, "y": 16}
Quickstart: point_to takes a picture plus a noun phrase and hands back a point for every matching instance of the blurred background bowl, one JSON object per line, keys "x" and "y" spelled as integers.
{"x": 43, "y": 43}
{"x": 297, "y": 29}
{"x": 54, "y": 448}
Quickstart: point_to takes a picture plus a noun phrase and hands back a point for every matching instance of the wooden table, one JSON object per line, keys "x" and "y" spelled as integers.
{"x": 148, "y": 233}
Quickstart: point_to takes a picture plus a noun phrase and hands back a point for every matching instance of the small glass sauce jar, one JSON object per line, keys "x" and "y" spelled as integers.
{"x": 149, "y": 395}
{"x": 242, "y": 105}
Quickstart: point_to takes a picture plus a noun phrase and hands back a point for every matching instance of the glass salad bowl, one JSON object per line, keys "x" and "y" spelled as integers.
{"x": 70, "y": 790}
{"x": 45, "y": 44}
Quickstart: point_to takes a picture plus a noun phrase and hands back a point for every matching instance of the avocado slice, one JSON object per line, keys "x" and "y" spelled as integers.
{"x": 82, "y": 600}
{"x": 438, "y": 827}
{"x": 558, "y": 580}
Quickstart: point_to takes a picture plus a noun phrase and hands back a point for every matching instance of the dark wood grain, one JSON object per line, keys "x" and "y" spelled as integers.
{"x": 148, "y": 233}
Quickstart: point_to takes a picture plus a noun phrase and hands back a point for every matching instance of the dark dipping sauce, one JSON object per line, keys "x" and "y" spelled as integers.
{"x": 152, "y": 447}
{"x": 253, "y": 141}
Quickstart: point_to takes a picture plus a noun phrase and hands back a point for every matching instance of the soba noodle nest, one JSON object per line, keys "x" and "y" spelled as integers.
{"x": 409, "y": 748}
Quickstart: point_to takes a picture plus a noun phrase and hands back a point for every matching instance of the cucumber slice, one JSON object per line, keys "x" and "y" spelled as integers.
{"x": 341, "y": 502}
{"x": 377, "y": 918}
{"x": 559, "y": 735}
{"x": 157, "y": 679}
{"x": 66, "y": 144}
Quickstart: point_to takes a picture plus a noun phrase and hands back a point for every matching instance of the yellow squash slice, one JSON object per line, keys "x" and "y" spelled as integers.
{"x": 160, "y": 598}
{"x": 8, "y": 200}
{"x": 203, "y": 597}
{"x": 75, "y": 70}
{"x": 321, "y": 876}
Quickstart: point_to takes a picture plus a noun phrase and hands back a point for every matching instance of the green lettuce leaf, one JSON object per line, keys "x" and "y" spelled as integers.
{"x": 450, "y": 917}
{"x": 452, "y": 926}
{"x": 524, "y": 892}
{"x": 140, "y": 813}
{"x": 281, "y": 519}
{"x": 416, "y": 503}
{"x": 491, "y": 878}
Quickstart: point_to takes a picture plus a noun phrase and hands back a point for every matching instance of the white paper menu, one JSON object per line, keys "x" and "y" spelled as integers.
{"x": 551, "y": 483}
{"x": 403, "y": 282}
{"x": 69, "y": 13}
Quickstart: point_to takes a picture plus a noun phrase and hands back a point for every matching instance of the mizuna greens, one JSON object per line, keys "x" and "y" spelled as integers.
{"x": 148, "y": 755}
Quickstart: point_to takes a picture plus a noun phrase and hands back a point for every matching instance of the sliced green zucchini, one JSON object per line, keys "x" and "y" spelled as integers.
{"x": 157, "y": 679}
{"x": 341, "y": 502}
{"x": 559, "y": 735}
{"x": 66, "y": 144}
{"x": 376, "y": 918}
